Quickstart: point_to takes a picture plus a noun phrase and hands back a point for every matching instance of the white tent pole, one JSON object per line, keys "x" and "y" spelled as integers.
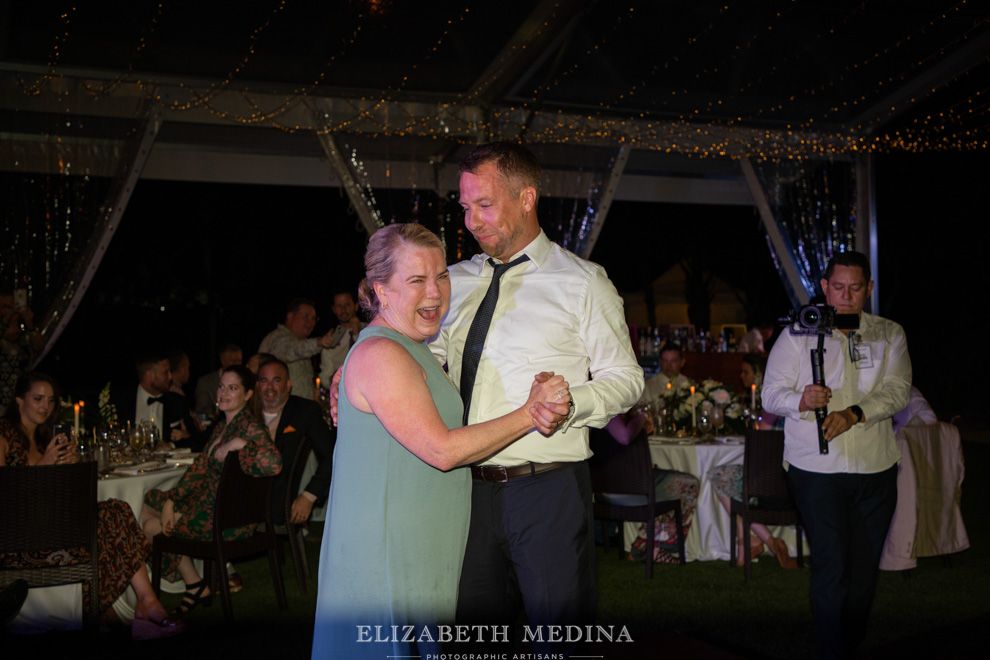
{"x": 867, "y": 240}
{"x": 613, "y": 183}
{"x": 783, "y": 252}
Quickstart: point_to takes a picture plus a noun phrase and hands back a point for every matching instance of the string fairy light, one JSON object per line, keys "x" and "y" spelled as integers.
{"x": 668, "y": 121}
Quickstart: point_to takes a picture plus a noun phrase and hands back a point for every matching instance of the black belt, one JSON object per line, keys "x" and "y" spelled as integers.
{"x": 499, "y": 473}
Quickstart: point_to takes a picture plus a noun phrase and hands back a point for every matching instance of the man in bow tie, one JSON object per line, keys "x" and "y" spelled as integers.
{"x": 153, "y": 401}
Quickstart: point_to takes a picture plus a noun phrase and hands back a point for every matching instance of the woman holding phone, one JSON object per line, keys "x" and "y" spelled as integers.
{"x": 26, "y": 439}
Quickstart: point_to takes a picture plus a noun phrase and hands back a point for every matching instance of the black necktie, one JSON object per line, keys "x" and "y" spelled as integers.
{"x": 154, "y": 399}
{"x": 479, "y": 331}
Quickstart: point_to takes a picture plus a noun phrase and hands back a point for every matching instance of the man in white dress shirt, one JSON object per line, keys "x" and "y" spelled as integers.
{"x": 847, "y": 496}
{"x": 343, "y": 336}
{"x": 531, "y": 540}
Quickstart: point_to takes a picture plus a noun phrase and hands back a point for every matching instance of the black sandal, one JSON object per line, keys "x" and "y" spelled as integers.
{"x": 191, "y": 600}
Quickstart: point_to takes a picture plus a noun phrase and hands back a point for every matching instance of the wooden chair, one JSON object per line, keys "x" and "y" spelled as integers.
{"x": 766, "y": 497}
{"x": 295, "y": 531}
{"x": 241, "y": 500}
{"x": 51, "y": 507}
{"x": 627, "y": 470}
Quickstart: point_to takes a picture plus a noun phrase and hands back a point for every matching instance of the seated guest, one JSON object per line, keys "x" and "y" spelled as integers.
{"x": 255, "y": 361}
{"x": 669, "y": 484}
{"x": 727, "y": 479}
{"x": 26, "y": 439}
{"x": 178, "y": 364}
{"x": 20, "y": 343}
{"x": 917, "y": 413}
{"x": 755, "y": 340}
{"x": 671, "y": 363}
{"x": 290, "y": 419}
{"x": 155, "y": 403}
{"x": 187, "y": 509}
{"x": 206, "y": 386}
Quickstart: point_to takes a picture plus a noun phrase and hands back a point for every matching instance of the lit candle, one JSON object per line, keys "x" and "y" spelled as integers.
{"x": 75, "y": 427}
{"x": 752, "y": 397}
{"x": 669, "y": 388}
{"x": 317, "y": 382}
{"x": 694, "y": 420}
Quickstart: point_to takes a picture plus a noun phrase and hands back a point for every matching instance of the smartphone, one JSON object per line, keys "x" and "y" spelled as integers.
{"x": 64, "y": 430}
{"x": 20, "y": 299}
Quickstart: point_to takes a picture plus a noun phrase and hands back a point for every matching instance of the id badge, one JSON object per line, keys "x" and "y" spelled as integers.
{"x": 863, "y": 356}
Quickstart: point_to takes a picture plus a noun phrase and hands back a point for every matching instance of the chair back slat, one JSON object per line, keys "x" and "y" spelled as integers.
{"x": 241, "y": 499}
{"x": 51, "y": 507}
{"x": 764, "y": 477}
{"x": 620, "y": 469}
{"x": 47, "y": 507}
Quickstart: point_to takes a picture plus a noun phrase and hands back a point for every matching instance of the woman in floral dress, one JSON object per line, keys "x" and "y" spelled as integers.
{"x": 26, "y": 439}
{"x": 187, "y": 509}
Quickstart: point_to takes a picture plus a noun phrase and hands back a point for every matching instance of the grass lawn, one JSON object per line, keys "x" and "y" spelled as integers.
{"x": 700, "y": 610}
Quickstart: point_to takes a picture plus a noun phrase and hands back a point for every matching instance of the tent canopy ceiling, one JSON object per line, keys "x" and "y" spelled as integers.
{"x": 687, "y": 85}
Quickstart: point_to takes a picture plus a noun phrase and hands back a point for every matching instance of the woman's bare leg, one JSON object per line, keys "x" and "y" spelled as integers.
{"x": 151, "y": 522}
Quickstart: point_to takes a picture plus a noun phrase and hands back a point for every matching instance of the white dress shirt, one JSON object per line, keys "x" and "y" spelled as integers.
{"x": 555, "y": 312}
{"x": 154, "y": 412}
{"x": 879, "y": 383}
{"x": 332, "y": 358}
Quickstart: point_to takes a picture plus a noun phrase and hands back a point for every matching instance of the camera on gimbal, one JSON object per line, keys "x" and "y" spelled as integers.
{"x": 820, "y": 319}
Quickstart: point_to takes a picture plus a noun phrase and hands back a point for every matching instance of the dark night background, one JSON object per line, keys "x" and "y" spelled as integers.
{"x": 222, "y": 260}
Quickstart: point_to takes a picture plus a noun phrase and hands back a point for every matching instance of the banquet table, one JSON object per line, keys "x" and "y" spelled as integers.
{"x": 709, "y": 537}
{"x": 60, "y": 608}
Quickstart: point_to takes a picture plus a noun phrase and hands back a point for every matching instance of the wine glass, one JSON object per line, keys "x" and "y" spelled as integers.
{"x": 116, "y": 442}
{"x": 139, "y": 438}
{"x": 154, "y": 437}
{"x": 704, "y": 423}
{"x": 718, "y": 418}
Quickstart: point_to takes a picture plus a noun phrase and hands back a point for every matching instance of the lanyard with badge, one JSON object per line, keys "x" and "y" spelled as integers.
{"x": 860, "y": 353}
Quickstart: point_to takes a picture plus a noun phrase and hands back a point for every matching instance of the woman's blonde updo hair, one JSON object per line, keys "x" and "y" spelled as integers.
{"x": 381, "y": 255}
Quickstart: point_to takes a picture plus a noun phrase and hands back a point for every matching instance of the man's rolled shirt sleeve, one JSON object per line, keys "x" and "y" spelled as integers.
{"x": 616, "y": 378}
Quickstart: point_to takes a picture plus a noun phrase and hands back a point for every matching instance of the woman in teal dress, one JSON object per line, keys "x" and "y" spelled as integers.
{"x": 398, "y": 508}
{"x": 187, "y": 509}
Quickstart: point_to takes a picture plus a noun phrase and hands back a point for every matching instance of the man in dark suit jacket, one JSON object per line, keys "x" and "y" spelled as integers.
{"x": 153, "y": 400}
{"x": 290, "y": 419}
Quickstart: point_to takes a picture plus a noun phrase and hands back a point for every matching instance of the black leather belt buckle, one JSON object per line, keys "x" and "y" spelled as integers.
{"x": 496, "y": 473}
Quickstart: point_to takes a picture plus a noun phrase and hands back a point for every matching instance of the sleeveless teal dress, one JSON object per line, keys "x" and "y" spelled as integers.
{"x": 395, "y": 533}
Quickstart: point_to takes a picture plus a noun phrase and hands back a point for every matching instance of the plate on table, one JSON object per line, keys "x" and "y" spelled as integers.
{"x": 142, "y": 468}
{"x": 668, "y": 440}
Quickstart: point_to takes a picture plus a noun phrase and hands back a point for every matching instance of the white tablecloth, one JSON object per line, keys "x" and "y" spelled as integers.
{"x": 60, "y": 607}
{"x": 709, "y": 537}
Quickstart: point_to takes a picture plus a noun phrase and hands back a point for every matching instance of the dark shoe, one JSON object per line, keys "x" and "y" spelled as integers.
{"x": 193, "y": 597}
{"x": 235, "y": 582}
{"x": 783, "y": 554}
{"x": 144, "y": 626}
{"x": 12, "y": 597}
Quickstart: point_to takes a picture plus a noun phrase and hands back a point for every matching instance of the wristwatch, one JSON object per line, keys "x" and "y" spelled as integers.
{"x": 856, "y": 410}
